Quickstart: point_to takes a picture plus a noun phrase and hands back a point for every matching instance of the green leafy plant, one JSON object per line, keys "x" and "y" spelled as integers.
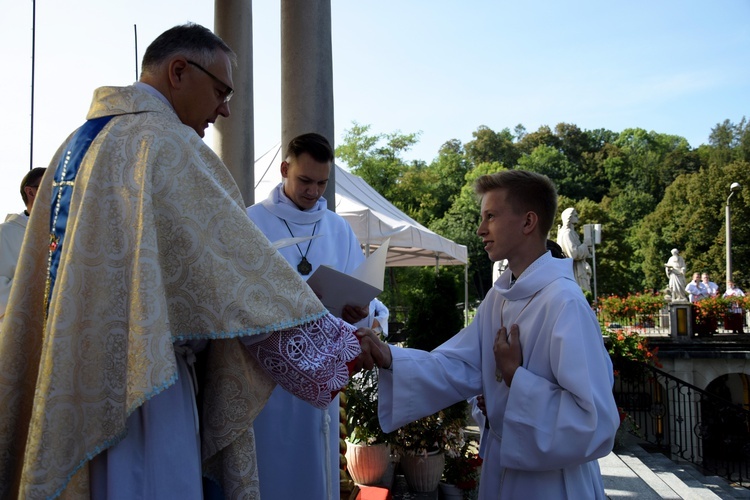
{"x": 433, "y": 433}
{"x": 362, "y": 410}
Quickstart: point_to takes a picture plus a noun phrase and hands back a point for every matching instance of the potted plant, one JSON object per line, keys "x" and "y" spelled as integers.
{"x": 422, "y": 446}
{"x": 630, "y": 353}
{"x": 708, "y": 312}
{"x": 639, "y": 309}
{"x": 461, "y": 472}
{"x": 368, "y": 452}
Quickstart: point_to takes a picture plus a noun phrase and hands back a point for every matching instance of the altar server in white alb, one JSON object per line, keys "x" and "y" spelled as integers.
{"x": 292, "y": 435}
{"x": 534, "y": 350}
{"x": 11, "y": 235}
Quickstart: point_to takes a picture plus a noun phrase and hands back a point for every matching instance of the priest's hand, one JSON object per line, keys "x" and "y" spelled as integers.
{"x": 352, "y": 314}
{"x": 507, "y": 350}
{"x": 375, "y": 352}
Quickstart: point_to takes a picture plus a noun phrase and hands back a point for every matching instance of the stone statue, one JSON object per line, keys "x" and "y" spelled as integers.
{"x": 675, "y": 269}
{"x": 572, "y": 247}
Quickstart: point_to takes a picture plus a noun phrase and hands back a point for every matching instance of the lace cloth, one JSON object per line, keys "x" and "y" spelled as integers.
{"x": 309, "y": 361}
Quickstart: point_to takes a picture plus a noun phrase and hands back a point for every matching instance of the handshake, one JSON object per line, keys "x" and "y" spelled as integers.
{"x": 375, "y": 352}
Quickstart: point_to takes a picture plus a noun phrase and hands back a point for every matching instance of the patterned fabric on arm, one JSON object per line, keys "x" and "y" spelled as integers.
{"x": 309, "y": 361}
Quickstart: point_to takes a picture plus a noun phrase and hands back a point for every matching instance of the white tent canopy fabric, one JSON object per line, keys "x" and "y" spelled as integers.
{"x": 373, "y": 218}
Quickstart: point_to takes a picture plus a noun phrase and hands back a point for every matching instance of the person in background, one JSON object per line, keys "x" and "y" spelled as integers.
{"x": 695, "y": 289}
{"x": 138, "y": 258}
{"x": 711, "y": 288}
{"x": 534, "y": 350}
{"x": 291, "y": 434}
{"x": 11, "y": 235}
{"x": 736, "y": 316}
{"x": 733, "y": 290}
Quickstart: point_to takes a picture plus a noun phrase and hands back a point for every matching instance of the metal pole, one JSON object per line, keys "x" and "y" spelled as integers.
{"x": 466, "y": 294}
{"x": 135, "y": 45}
{"x": 33, "y": 60}
{"x": 593, "y": 257}
{"x": 733, "y": 188}
{"x": 729, "y": 243}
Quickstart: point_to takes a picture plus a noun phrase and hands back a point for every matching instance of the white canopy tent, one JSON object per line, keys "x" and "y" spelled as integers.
{"x": 373, "y": 218}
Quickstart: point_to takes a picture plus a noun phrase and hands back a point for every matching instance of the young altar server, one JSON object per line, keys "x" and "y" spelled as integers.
{"x": 534, "y": 350}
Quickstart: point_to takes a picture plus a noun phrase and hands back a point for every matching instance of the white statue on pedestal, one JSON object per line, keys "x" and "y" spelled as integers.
{"x": 572, "y": 247}
{"x": 675, "y": 269}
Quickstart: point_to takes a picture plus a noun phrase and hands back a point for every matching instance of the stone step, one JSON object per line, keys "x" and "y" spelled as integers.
{"x": 629, "y": 472}
{"x": 633, "y": 471}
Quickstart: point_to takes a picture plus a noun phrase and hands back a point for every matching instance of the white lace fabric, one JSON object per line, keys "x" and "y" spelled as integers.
{"x": 310, "y": 361}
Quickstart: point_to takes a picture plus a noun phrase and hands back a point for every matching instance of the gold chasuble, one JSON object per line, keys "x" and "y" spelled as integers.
{"x": 158, "y": 249}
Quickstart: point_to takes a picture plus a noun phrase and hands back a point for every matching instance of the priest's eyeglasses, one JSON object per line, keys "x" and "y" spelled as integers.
{"x": 228, "y": 93}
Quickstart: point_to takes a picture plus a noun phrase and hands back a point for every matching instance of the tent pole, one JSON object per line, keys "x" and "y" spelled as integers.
{"x": 466, "y": 294}
{"x": 367, "y": 222}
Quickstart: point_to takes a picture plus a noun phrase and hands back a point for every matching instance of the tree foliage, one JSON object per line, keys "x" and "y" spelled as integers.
{"x": 433, "y": 313}
{"x": 650, "y": 191}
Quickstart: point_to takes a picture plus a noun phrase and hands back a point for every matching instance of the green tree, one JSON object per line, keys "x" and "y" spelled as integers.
{"x": 543, "y": 136}
{"x": 646, "y": 167}
{"x": 434, "y": 316}
{"x": 376, "y": 158}
{"x": 460, "y": 225}
{"x": 555, "y": 165}
{"x": 690, "y": 218}
{"x": 426, "y": 193}
{"x": 490, "y": 146}
{"x": 730, "y": 142}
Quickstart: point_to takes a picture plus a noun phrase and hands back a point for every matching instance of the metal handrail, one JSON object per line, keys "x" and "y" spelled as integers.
{"x": 685, "y": 422}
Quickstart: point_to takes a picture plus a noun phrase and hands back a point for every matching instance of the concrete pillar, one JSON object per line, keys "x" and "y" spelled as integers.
{"x": 234, "y": 136}
{"x": 681, "y": 321}
{"x": 307, "y": 74}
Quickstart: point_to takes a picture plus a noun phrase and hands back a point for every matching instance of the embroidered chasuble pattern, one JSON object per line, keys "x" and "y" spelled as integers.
{"x": 158, "y": 248}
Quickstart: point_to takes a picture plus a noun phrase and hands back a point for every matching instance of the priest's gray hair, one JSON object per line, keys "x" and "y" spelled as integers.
{"x": 191, "y": 40}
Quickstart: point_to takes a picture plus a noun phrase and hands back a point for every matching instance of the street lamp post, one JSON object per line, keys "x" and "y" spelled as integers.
{"x": 592, "y": 233}
{"x": 732, "y": 189}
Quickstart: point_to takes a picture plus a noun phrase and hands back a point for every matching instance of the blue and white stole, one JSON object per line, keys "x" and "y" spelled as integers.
{"x": 62, "y": 193}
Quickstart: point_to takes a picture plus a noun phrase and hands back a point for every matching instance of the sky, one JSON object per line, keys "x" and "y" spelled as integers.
{"x": 439, "y": 68}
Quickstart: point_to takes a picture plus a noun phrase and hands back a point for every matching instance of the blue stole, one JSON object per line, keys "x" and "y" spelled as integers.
{"x": 62, "y": 192}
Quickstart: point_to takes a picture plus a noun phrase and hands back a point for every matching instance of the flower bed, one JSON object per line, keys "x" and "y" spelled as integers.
{"x": 626, "y": 309}
{"x": 712, "y": 308}
{"x": 630, "y": 353}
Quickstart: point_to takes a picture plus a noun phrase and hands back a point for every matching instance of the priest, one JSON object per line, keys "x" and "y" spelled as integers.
{"x": 138, "y": 257}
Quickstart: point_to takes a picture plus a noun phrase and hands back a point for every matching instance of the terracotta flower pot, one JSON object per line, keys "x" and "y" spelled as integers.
{"x": 367, "y": 463}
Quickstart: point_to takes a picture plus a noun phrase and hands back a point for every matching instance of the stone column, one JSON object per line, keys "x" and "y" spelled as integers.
{"x": 307, "y": 74}
{"x": 234, "y": 136}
